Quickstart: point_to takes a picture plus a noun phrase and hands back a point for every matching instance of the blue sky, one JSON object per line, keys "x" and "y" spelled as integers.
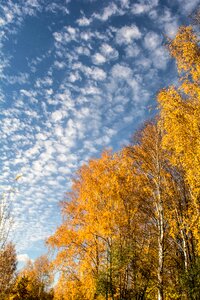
{"x": 77, "y": 76}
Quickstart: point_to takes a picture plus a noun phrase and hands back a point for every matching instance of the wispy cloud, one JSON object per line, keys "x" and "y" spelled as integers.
{"x": 111, "y": 10}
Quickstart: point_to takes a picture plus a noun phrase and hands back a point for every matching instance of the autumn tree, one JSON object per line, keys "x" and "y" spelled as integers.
{"x": 100, "y": 240}
{"x": 123, "y": 234}
{"x": 34, "y": 281}
{"x": 21, "y": 289}
{"x": 151, "y": 162}
{"x": 195, "y": 16}
{"x": 5, "y": 219}
{"x": 180, "y": 119}
{"x": 115, "y": 240}
{"x": 8, "y": 266}
{"x": 25, "y": 288}
{"x": 180, "y": 111}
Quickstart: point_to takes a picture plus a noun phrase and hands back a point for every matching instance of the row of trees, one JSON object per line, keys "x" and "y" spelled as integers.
{"x": 131, "y": 222}
{"x": 33, "y": 282}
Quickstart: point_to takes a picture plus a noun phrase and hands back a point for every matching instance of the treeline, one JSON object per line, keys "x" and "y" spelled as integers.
{"x": 131, "y": 223}
{"x": 32, "y": 283}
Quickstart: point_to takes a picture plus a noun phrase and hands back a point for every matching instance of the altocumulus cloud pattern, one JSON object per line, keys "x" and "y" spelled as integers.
{"x": 76, "y": 77}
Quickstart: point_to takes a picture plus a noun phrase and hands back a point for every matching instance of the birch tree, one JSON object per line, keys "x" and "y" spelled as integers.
{"x": 8, "y": 267}
{"x": 5, "y": 219}
{"x": 151, "y": 164}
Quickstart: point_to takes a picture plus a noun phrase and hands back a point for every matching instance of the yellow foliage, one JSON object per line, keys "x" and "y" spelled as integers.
{"x": 180, "y": 117}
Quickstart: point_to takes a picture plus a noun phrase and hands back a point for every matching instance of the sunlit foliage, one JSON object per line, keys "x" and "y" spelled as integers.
{"x": 131, "y": 222}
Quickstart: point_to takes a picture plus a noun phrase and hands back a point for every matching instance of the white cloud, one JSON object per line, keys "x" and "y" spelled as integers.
{"x": 91, "y": 90}
{"x": 54, "y": 8}
{"x": 98, "y": 74}
{"x": 83, "y": 50}
{"x": 60, "y": 148}
{"x": 152, "y": 40}
{"x": 58, "y": 115}
{"x": 171, "y": 29}
{"x": 86, "y": 35}
{"x": 103, "y": 141}
{"x": 160, "y": 58}
{"x": 128, "y": 34}
{"x": 121, "y": 71}
{"x": 59, "y": 64}
{"x": 74, "y": 77}
{"x": 166, "y": 21}
{"x": 132, "y": 50}
{"x": 98, "y": 59}
{"x": 50, "y": 167}
{"x": 23, "y": 258}
{"x": 186, "y": 7}
{"x": 66, "y": 36}
{"x": 83, "y": 21}
{"x": 64, "y": 170}
{"x": 95, "y": 73}
{"x": 125, "y": 3}
{"x": 108, "y": 51}
{"x": 108, "y": 12}
{"x": 62, "y": 158}
{"x": 143, "y": 62}
{"x": 58, "y": 36}
{"x": 143, "y": 6}
{"x": 139, "y": 8}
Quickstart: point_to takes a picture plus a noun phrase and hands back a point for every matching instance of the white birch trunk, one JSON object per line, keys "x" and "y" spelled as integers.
{"x": 160, "y": 250}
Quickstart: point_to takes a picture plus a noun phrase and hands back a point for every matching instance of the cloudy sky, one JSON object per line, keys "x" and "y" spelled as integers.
{"x": 77, "y": 76}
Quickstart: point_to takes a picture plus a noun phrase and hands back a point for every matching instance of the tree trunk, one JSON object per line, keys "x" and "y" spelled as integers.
{"x": 160, "y": 252}
{"x": 160, "y": 222}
